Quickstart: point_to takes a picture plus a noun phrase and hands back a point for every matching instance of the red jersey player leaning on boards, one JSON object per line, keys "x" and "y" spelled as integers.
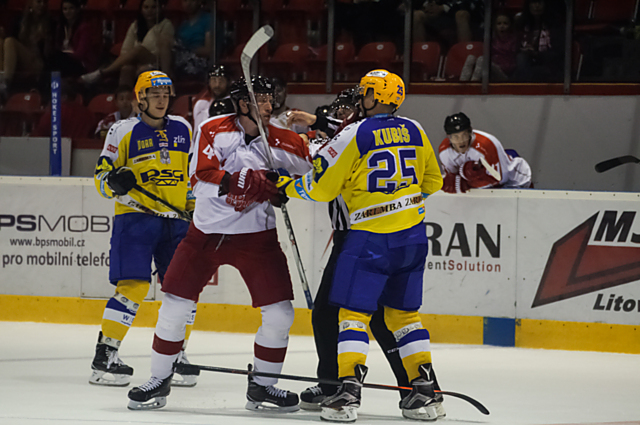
{"x": 233, "y": 224}
{"x": 462, "y": 154}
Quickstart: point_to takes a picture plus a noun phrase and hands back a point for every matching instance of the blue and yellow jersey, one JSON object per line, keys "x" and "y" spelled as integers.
{"x": 158, "y": 158}
{"x": 383, "y": 166}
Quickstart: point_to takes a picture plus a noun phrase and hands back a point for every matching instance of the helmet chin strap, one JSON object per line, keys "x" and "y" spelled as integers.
{"x": 364, "y": 109}
{"x": 248, "y": 114}
{"x": 146, "y": 111}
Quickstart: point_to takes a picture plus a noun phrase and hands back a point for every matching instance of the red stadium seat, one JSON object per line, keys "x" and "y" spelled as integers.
{"x": 16, "y": 5}
{"x": 231, "y": 6}
{"x": 343, "y": 53}
{"x": 456, "y": 57}
{"x": 426, "y": 60}
{"x": 372, "y": 56}
{"x": 102, "y": 105}
{"x": 614, "y": 10}
{"x": 294, "y": 21}
{"x": 55, "y": 5}
{"x": 20, "y": 114}
{"x": 174, "y": 11}
{"x": 582, "y": 11}
{"x": 104, "y": 6}
{"x": 24, "y": 102}
{"x": 183, "y": 106}
{"x": 288, "y": 61}
{"x": 232, "y": 62}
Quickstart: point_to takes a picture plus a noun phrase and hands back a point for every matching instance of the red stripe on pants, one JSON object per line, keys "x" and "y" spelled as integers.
{"x": 273, "y": 355}
{"x": 168, "y": 348}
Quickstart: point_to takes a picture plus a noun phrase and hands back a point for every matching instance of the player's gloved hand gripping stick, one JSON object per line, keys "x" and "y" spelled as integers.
{"x": 257, "y": 40}
{"x": 121, "y": 180}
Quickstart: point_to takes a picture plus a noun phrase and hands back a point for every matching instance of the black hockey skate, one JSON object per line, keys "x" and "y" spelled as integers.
{"x": 185, "y": 375}
{"x": 275, "y": 398}
{"x": 107, "y": 367}
{"x": 311, "y": 398}
{"x": 342, "y": 407}
{"x": 421, "y": 403}
{"x": 150, "y": 395}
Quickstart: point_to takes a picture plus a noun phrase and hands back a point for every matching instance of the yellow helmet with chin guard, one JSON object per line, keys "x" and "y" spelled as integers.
{"x": 388, "y": 88}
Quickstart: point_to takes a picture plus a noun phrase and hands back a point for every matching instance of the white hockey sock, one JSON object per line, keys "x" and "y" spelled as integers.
{"x": 169, "y": 336}
{"x": 272, "y": 339}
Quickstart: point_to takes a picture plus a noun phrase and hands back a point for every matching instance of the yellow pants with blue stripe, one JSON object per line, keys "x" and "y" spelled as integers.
{"x": 353, "y": 341}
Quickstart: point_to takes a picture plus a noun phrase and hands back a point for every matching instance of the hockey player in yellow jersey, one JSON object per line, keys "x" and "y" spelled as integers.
{"x": 150, "y": 150}
{"x": 384, "y": 167}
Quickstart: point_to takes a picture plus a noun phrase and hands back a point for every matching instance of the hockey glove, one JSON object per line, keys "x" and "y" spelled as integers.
{"x": 453, "y": 183}
{"x": 248, "y": 186}
{"x": 279, "y": 198}
{"x": 476, "y": 175}
{"x": 121, "y": 180}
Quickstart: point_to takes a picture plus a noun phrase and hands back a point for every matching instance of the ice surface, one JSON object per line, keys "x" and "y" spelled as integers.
{"x": 44, "y": 371}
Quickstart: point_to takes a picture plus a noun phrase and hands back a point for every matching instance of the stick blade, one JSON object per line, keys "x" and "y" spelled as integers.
{"x": 257, "y": 40}
{"x": 603, "y": 166}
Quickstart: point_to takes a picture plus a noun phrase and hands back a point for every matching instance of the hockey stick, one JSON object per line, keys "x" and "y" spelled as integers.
{"x": 337, "y": 383}
{"x": 181, "y": 214}
{"x": 494, "y": 173}
{"x": 257, "y": 40}
{"x": 603, "y": 166}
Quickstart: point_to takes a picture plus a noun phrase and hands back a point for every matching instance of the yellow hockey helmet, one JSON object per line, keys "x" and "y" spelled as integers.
{"x": 388, "y": 88}
{"x": 149, "y": 79}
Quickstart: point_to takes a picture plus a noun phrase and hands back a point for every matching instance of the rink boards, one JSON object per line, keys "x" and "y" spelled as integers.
{"x": 548, "y": 269}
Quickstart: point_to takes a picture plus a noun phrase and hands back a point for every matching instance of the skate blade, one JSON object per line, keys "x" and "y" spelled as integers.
{"x": 156, "y": 403}
{"x": 439, "y": 410}
{"x": 313, "y": 407}
{"x": 344, "y": 414}
{"x": 99, "y": 377}
{"x": 184, "y": 380}
{"x": 257, "y": 405}
{"x": 424, "y": 413}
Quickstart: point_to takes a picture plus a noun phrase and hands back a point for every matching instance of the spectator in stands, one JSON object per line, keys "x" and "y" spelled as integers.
{"x": 75, "y": 53}
{"x": 475, "y": 159}
{"x": 448, "y": 21}
{"x": 216, "y": 100}
{"x": 25, "y": 52}
{"x": 193, "y": 42}
{"x": 504, "y": 47}
{"x": 124, "y": 102}
{"x": 148, "y": 40}
{"x": 76, "y": 121}
{"x": 541, "y": 44}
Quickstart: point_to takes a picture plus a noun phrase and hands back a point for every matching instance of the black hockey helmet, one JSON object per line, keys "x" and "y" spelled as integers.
{"x": 239, "y": 88}
{"x": 221, "y": 107}
{"x": 456, "y": 123}
{"x": 323, "y": 110}
{"x": 218, "y": 71}
{"x": 345, "y": 99}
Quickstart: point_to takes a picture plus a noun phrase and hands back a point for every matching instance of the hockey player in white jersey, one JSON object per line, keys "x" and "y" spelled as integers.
{"x": 463, "y": 151}
{"x": 233, "y": 224}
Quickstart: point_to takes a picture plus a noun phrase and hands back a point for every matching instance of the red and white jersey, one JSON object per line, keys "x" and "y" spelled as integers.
{"x": 201, "y": 110}
{"x": 219, "y": 146}
{"x": 514, "y": 172}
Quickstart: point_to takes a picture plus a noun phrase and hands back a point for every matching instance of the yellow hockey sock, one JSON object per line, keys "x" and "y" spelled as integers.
{"x": 353, "y": 341}
{"x": 189, "y": 328}
{"x": 121, "y": 309}
{"x": 412, "y": 339}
